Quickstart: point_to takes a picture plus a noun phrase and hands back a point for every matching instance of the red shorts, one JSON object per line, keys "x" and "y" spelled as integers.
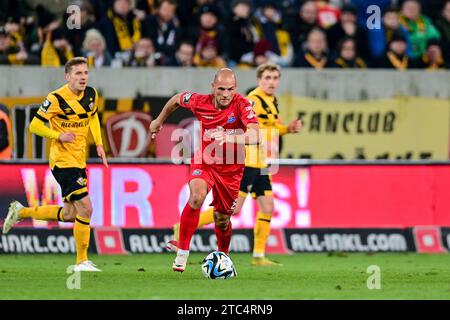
{"x": 225, "y": 187}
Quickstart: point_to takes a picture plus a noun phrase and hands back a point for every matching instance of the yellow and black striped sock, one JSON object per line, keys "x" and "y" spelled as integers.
{"x": 206, "y": 217}
{"x": 261, "y": 233}
{"x": 81, "y": 233}
{"x": 46, "y": 213}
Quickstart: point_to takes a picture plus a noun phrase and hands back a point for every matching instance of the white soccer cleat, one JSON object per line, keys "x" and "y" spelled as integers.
{"x": 86, "y": 266}
{"x": 180, "y": 262}
{"x": 13, "y": 216}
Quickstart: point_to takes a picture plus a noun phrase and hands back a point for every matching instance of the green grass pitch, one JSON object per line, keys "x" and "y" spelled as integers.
{"x": 303, "y": 276}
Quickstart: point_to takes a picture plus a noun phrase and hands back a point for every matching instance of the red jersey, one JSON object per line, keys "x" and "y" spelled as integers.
{"x": 232, "y": 119}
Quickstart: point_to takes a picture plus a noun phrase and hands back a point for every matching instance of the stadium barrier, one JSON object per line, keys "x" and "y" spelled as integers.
{"x": 281, "y": 241}
{"x": 308, "y": 194}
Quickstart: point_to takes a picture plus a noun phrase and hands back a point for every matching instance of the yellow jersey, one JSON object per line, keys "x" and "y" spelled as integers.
{"x": 266, "y": 109}
{"x": 68, "y": 112}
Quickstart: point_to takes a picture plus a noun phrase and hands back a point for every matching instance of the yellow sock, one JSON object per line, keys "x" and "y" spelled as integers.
{"x": 261, "y": 233}
{"x": 47, "y": 213}
{"x": 206, "y": 217}
{"x": 81, "y": 233}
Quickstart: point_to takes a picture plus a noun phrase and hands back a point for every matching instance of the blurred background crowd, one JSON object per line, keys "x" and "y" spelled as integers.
{"x": 236, "y": 33}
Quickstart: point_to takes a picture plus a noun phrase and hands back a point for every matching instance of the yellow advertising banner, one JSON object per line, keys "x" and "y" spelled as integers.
{"x": 398, "y": 128}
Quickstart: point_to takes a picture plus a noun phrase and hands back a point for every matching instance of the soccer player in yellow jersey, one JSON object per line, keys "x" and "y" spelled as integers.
{"x": 71, "y": 111}
{"x": 255, "y": 179}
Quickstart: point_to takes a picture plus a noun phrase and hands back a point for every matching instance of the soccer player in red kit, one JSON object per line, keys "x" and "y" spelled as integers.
{"x": 228, "y": 123}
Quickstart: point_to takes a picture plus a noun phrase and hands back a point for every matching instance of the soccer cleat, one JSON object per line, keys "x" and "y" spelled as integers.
{"x": 264, "y": 262}
{"x": 13, "y": 216}
{"x": 86, "y": 266}
{"x": 180, "y": 263}
{"x": 172, "y": 245}
{"x": 176, "y": 231}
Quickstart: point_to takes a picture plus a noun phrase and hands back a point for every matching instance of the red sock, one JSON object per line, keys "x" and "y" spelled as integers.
{"x": 188, "y": 225}
{"x": 224, "y": 238}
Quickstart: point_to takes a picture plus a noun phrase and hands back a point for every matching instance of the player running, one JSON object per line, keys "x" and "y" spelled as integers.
{"x": 255, "y": 181}
{"x": 227, "y": 123}
{"x": 71, "y": 111}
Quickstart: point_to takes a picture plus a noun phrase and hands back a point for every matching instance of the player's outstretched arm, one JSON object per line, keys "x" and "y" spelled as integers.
{"x": 169, "y": 108}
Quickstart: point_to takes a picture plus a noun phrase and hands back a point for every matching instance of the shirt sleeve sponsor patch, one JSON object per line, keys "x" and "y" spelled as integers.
{"x": 44, "y": 106}
{"x": 186, "y": 97}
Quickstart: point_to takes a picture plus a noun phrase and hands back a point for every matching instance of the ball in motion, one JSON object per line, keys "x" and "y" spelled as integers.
{"x": 218, "y": 265}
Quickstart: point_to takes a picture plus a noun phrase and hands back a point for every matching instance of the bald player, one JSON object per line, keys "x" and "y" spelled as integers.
{"x": 228, "y": 123}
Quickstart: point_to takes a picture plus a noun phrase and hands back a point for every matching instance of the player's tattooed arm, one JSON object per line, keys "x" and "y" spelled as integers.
{"x": 169, "y": 108}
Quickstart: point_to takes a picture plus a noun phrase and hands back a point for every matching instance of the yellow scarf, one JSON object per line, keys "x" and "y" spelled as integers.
{"x": 359, "y": 63}
{"x": 126, "y": 40}
{"x": 420, "y": 22}
{"x": 317, "y": 64}
{"x": 434, "y": 65}
{"x": 396, "y": 62}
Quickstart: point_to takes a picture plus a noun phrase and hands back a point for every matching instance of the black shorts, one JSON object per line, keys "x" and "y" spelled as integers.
{"x": 73, "y": 183}
{"x": 256, "y": 183}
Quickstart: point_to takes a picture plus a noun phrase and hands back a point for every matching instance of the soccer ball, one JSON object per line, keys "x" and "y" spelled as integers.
{"x": 217, "y": 265}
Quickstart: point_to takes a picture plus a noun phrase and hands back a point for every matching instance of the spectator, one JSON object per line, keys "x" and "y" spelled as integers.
{"x": 5, "y": 135}
{"x": 163, "y": 28}
{"x": 347, "y": 55}
{"x": 262, "y": 53}
{"x": 76, "y": 35}
{"x": 379, "y": 38}
{"x": 184, "y": 57}
{"x": 208, "y": 56}
{"x": 188, "y": 13}
{"x": 94, "y": 49}
{"x": 396, "y": 57}
{"x": 433, "y": 58}
{"x": 303, "y": 24}
{"x": 14, "y": 54}
{"x": 268, "y": 23}
{"x": 239, "y": 27}
{"x": 315, "y": 51}
{"x": 348, "y": 27}
{"x": 443, "y": 24}
{"x": 121, "y": 28}
{"x": 57, "y": 49}
{"x": 419, "y": 27}
{"x": 145, "y": 55}
{"x": 210, "y": 28}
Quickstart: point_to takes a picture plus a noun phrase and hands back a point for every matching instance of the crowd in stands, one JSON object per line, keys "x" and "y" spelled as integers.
{"x": 236, "y": 33}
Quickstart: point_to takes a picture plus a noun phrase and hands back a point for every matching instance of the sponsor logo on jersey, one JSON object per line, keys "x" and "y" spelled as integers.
{"x": 187, "y": 97}
{"x": 197, "y": 172}
{"x": 231, "y": 118}
{"x": 79, "y": 124}
{"x": 251, "y": 115}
